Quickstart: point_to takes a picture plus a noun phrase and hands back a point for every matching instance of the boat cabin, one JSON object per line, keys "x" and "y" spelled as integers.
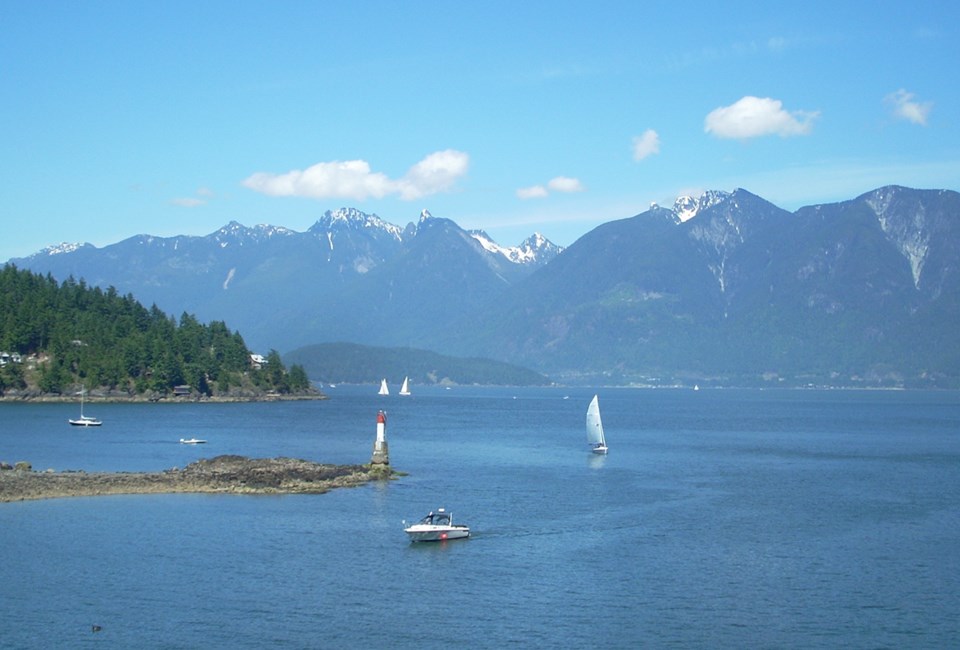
{"x": 440, "y": 518}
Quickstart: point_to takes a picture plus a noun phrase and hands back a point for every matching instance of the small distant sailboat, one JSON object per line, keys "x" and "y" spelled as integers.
{"x": 383, "y": 388}
{"x": 84, "y": 420}
{"x": 405, "y": 389}
{"x": 595, "y": 437}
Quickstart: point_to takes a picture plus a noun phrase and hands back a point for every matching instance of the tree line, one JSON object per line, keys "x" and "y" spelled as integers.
{"x": 75, "y": 334}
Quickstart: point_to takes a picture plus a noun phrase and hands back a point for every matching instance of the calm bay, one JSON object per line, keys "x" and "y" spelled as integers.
{"x": 720, "y": 518}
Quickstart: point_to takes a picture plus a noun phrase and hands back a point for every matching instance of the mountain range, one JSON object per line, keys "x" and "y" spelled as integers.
{"x": 725, "y": 288}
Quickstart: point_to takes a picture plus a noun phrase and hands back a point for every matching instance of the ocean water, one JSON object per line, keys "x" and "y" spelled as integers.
{"x": 719, "y": 519}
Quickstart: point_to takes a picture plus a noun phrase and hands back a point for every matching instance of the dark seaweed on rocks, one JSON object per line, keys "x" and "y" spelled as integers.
{"x": 221, "y": 474}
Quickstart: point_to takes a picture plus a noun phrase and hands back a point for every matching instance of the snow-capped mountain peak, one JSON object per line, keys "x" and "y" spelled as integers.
{"x": 238, "y": 234}
{"x": 535, "y": 249}
{"x": 61, "y": 248}
{"x": 351, "y": 218}
{"x": 687, "y": 207}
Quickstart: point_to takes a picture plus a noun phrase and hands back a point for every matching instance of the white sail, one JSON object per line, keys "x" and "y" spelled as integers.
{"x": 405, "y": 389}
{"x": 595, "y": 437}
{"x": 383, "y": 387}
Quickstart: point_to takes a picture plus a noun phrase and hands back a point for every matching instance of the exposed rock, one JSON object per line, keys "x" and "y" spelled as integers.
{"x": 223, "y": 474}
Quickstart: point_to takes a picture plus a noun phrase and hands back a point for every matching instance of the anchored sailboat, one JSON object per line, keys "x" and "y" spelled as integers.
{"x": 595, "y": 437}
{"x": 84, "y": 420}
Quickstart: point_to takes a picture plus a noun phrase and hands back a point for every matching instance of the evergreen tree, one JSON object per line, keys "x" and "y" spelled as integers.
{"x": 88, "y": 335}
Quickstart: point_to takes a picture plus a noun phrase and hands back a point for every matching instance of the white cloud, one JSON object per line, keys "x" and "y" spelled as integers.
{"x": 203, "y": 195}
{"x": 435, "y": 173}
{"x": 532, "y": 192}
{"x": 646, "y": 144}
{"x": 353, "y": 179}
{"x": 907, "y": 108}
{"x": 565, "y": 184}
{"x": 752, "y": 117}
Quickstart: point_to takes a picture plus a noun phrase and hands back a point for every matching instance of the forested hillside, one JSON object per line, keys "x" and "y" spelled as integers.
{"x": 57, "y": 337}
{"x": 357, "y": 364}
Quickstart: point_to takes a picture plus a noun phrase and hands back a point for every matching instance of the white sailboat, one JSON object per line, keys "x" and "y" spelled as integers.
{"x": 383, "y": 388}
{"x": 84, "y": 420}
{"x": 405, "y": 389}
{"x": 595, "y": 437}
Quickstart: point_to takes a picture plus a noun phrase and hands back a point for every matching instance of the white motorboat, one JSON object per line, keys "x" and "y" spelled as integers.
{"x": 192, "y": 441}
{"x": 595, "y": 437}
{"x": 436, "y": 527}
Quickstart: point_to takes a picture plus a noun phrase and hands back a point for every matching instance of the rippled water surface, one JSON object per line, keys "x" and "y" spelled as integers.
{"x": 719, "y": 519}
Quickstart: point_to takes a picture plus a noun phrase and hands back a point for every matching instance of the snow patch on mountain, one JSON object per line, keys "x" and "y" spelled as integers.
{"x": 908, "y": 229}
{"x": 532, "y": 250}
{"x": 235, "y": 233}
{"x": 61, "y": 248}
{"x": 719, "y": 234}
{"x": 353, "y": 219}
{"x": 688, "y": 207}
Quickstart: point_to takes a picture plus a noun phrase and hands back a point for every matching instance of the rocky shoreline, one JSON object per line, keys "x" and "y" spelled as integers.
{"x": 222, "y": 474}
{"x": 96, "y": 397}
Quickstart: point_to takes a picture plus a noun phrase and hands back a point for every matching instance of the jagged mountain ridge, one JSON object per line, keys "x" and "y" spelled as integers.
{"x": 724, "y": 285}
{"x": 738, "y": 286}
{"x": 308, "y": 282}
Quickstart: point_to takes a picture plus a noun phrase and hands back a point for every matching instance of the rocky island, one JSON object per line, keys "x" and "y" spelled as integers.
{"x": 221, "y": 474}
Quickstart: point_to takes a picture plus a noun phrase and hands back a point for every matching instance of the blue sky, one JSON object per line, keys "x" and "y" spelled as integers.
{"x": 164, "y": 118}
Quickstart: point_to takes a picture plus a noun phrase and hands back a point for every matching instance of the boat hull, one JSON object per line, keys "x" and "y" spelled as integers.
{"x": 436, "y": 533}
{"x": 85, "y": 423}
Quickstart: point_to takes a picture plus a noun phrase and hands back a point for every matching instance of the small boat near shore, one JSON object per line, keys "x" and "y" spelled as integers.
{"x": 436, "y": 527}
{"x": 192, "y": 441}
{"x": 85, "y": 420}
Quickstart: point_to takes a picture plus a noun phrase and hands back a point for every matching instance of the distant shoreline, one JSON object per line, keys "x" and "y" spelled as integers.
{"x": 219, "y": 475}
{"x": 165, "y": 399}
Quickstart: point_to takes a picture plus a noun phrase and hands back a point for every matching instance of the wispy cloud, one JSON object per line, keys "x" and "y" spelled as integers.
{"x": 354, "y": 179}
{"x": 187, "y": 202}
{"x": 562, "y": 184}
{"x": 752, "y": 117}
{"x": 710, "y": 54}
{"x": 906, "y": 107}
{"x": 532, "y": 192}
{"x": 565, "y": 184}
{"x": 646, "y": 144}
{"x": 203, "y": 195}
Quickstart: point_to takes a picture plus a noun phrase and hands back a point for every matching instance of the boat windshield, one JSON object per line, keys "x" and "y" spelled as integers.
{"x": 436, "y": 519}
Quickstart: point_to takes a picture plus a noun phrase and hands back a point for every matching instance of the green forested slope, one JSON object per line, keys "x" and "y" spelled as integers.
{"x": 56, "y": 336}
